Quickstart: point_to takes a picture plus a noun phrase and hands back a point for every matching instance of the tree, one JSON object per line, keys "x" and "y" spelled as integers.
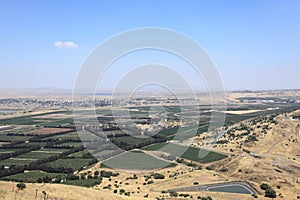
{"x": 270, "y": 193}
{"x": 158, "y": 176}
{"x": 21, "y": 186}
{"x": 264, "y": 186}
{"x": 173, "y": 193}
{"x": 45, "y": 195}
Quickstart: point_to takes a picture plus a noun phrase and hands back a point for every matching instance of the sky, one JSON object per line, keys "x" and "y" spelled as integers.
{"x": 255, "y": 45}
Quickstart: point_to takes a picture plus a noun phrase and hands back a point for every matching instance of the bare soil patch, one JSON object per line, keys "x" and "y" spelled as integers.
{"x": 45, "y": 131}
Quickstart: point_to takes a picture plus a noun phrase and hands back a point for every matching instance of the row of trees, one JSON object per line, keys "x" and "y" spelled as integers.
{"x": 18, "y": 152}
{"x": 41, "y": 165}
{"x": 132, "y": 144}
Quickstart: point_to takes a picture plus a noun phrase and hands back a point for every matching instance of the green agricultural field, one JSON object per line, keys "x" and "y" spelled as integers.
{"x": 32, "y": 176}
{"x": 103, "y": 112}
{"x": 184, "y": 132}
{"x": 137, "y": 161}
{"x": 70, "y": 135}
{"x": 79, "y": 154}
{"x": 52, "y": 150}
{"x": 41, "y": 144}
{"x": 154, "y": 147}
{"x": 103, "y": 154}
{"x": 74, "y": 144}
{"x": 189, "y": 153}
{"x": 3, "y": 151}
{"x": 75, "y": 164}
{"x": 168, "y": 132}
{"x": 31, "y": 119}
{"x": 12, "y": 161}
{"x": 80, "y": 135}
{"x": 132, "y": 140}
{"x": 9, "y": 138}
{"x": 59, "y": 122}
{"x": 37, "y": 155}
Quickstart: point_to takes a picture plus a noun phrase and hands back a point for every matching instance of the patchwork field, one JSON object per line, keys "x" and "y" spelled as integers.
{"x": 136, "y": 160}
{"x": 49, "y": 131}
{"x": 75, "y": 164}
{"x": 47, "y": 146}
{"x": 190, "y": 153}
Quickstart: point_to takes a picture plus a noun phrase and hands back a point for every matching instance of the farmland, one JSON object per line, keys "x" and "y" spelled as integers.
{"x": 74, "y": 164}
{"x": 136, "y": 160}
{"x": 57, "y": 147}
{"x": 48, "y": 147}
{"x": 189, "y": 153}
{"x": 32, "y": 176}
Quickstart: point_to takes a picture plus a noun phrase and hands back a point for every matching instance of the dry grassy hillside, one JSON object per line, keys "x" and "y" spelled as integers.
{"x": 8, "y": 191}
{"x": 272, "y": 159}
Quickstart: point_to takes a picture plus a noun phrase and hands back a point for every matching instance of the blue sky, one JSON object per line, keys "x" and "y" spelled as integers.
{"x": 254, "y": 44}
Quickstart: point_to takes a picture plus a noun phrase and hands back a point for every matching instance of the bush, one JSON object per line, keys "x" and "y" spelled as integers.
{"x": 270, "y": 193}
{"x": 21, "y": 186}
{"x": 204, "y": 198}
{"x": 90, "y": 176}
{"x": 173, "y": 193}
{"x": 122, "y": 191}
{"x": 251, "y": 138}
{"x": 224, "y": 170}
{"x": 158, "y": 176}
{"x": 108, "y": 174}
{"x": 132, "y": 177}
{"x": 264, "y": 186}
{"x": 184, "y": 195}
{"x": 150, "y": 182}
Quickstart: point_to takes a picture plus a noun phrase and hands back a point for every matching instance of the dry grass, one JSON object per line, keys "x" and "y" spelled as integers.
{"x": 54, "y": 191}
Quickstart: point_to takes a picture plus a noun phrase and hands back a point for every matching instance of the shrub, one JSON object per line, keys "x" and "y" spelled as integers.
{"x": 21, "y": 186}
{"x": 108, "y": 174}
{"x": 224, "y": 170}
{"x": 264, "y": 186}
{"x": 173, "y": 193}
{"x": 251, "y": 138}
{"x": 159, "y": 176}
{"x": 184, "y": 195}
{"x": 122, "y": 191}
{"x": 204, "y": 198}
{"x": 270, "y": 193}
{"x": 90, "y": 176}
